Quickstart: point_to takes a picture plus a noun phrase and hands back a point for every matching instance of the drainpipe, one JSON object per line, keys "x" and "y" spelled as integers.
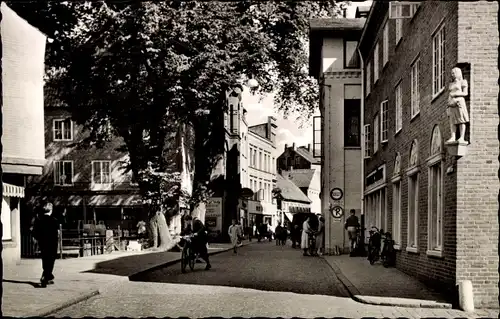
{"x": 362, "y": 120}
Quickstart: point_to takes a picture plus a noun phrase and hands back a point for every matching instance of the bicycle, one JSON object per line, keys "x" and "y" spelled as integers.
{"x": 189, "y": 256}
{"x": 374, "y": 245}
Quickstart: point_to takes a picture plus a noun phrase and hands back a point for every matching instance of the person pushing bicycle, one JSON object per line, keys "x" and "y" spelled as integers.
{"x": 200, "y": 241}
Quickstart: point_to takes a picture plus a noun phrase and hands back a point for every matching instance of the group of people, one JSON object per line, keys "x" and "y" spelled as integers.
{"x": 317, "y": 236}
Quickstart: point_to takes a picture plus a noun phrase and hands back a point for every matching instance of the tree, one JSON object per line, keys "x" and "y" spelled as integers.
{"x": 142, "y": 70}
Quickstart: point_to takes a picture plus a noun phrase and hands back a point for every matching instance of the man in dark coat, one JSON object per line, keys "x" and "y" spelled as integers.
{"x": 46, "y": 232}
{"x": 200, "y": 241}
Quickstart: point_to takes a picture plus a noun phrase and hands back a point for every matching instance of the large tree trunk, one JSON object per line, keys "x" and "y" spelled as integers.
{"x": 160, "y": 233}
{"x": 199, "y": 211}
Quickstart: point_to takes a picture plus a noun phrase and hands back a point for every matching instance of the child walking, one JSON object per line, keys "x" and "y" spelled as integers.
{"x": 234, "y": 233}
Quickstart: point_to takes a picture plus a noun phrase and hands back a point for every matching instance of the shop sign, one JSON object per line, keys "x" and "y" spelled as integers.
{"x": 214, "y": 207}
{"x": 211, "y": 221}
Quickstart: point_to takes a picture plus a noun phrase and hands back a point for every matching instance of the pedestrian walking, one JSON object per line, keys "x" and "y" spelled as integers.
{"x": 304, "y": 242}
{"x": 234, "y": 233}
{"x": 46, "y": 233}
{"x": 278, "y": 234}
{"x": 320, "y": 236}
{"x": 352, "y": 225}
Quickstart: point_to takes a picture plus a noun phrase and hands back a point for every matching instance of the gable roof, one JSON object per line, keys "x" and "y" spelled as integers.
{"x": 290, "y": 191}
{"x": 307, "y": 155}
{"x": 300, "y": 177}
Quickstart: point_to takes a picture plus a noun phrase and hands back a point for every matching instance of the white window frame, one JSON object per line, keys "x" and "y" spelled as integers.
{"x": 384, "y": 121}
{"x": 399, "y": 107}
{"x": 412, "y": 243}
{"x": 435, "y": 241}
{"x": 438, "y": 60}
{"x": 56, "y": 181}
{"x": 101, "y": 170}
{"x": 415, "y": 89}
{"x": 376, "y": 132}
{"x": 376, "y": 62}
{"x": 63, "y": 128}
{"x": 385, "y": 49}
{"x": 367, "y": 150}
{"x": 396, "y": 213}
{"x": 368, "y": 82}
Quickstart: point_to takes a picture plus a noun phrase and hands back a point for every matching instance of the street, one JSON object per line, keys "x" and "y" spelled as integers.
{"x": 261, "y": 280}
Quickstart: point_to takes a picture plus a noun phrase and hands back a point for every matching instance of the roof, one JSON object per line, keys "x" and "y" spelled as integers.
{"x": 333, "y": 28}
{"x": 363, "y": 10}
{"x": 336, "y": 24}
{"x": 51, "y": 97}
{"x": 290, "y": 191}
{"x": 300, "y": 177}
{"x": 307, "y": 155}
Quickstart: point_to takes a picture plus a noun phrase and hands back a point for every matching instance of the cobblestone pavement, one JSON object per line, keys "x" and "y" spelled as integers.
{"x": 267, "y": 281}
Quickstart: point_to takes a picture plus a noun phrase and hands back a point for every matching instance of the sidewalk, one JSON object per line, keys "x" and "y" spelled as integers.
{"x": 377, "y": 285}
{"x": 77, "y": 279}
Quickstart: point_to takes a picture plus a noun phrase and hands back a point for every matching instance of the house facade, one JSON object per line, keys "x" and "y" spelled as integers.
{"x": 337, "y": 140}
{"x": 437, "y": 197}
{"x": 262, "y": 172}
{"x": 23, "y": 154}
{"x": 297, "y": 158}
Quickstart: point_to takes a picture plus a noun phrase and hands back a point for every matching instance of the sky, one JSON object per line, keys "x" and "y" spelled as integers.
{"x": 288, "y": 130}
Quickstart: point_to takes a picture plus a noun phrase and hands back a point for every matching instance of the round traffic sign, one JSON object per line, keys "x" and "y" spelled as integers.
{"x": 337, "y": 211}
{"x": 336, "y": 193}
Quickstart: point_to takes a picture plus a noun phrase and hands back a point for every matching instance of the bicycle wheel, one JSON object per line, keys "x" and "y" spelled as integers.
{"x": 192, "y": 258}
{"x": 184, "y": 258}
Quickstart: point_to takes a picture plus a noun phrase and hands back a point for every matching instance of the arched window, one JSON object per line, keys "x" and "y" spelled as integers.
{"x": 435, "y": 197}
{"x": 413, "y": 195}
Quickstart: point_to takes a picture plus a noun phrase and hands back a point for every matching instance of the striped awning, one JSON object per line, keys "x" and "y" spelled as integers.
{"x": 12, "y": 190}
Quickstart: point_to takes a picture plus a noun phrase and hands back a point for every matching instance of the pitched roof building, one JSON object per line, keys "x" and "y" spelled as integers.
{"x": 297, "y": 158}
{"x": 293, "y": 200}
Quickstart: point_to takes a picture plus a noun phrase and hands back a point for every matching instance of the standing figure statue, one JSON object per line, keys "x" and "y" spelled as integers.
{"x": 457, "y": 109}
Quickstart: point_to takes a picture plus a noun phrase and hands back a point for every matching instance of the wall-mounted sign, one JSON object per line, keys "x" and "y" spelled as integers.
{"x": 337, "y": 211}
{"x": 211, "y": 221}
{"x": 214, "y": 207}
{"x": 336, "y": 193}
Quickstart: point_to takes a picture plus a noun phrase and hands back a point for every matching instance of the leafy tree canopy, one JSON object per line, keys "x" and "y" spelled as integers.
{"x": 143, "y": 68}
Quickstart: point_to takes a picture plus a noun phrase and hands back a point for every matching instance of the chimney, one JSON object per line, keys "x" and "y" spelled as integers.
{"x": 344, "y": 12}
{"x": 308, "y": 147}
{"x": 293, "y": 146}
{"x": 286, "y": 146}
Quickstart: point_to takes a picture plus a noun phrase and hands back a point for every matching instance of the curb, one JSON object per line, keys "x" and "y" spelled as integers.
{"x": 51, "y": 309}
{"x": 380, "y": 301}
{"x": 133, "y": 277}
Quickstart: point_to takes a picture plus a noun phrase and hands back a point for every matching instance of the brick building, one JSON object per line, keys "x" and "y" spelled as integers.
{"x": 439, "y": 200}
{"x": 91, "y": 184}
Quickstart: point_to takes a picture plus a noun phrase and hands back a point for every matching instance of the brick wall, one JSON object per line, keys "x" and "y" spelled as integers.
{"x": 417, "y": 41}
{"x": 477, "y": 179}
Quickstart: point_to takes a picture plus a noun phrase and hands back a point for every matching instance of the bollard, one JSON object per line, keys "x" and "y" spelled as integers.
{"x": 466, "y": 295}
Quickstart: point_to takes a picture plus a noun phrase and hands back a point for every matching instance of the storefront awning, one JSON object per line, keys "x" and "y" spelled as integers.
{"x": 289, "y": 216}
{"x": 299, "y": 210}
{"x": 115, "y": 200}
{"x": 12, "y": 190}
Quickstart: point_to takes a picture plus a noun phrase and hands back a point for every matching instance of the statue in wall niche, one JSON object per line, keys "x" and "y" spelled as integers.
{"x": 457, "y": 109}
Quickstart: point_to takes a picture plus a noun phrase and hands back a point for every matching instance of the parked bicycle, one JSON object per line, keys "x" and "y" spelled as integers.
{"x": 374, "y": 244}
{"x": 387, "y": 254}
{"x": 189, "y": 255}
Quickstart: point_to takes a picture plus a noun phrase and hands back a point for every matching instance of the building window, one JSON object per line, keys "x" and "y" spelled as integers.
{"x": 399, "y": 30}
{"x": 297, "y": 161}
{"x": 376, "y": 62}
{"x": 254, "y": 157}
{"x": 399, "y": 108}
{"x": 415, "y": 93}
{"x": 273, "y": 165}
{"x": 63, "y": 130}
{"x": 6, "y": 219}
{"x": 413, "y": 211}
{"x": 438, "y": 41}
{"x": 260, "y": 160}
{"x": 435, "y": 207}
{"x": 385, "y": 53}
{"x": 101, "y": 172}
{"x": 352, "y": 127}
{"x": 384, "y": 125}
{"x": 367, "y": 141}
{"x": 396, "y": 212}
{"x": 368, "y": 85}
{"x": 317, "y": 136}
{"x": 376, "y": 134}
{"x": 351, "y": 60}
{"x": 63, "y": 173}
